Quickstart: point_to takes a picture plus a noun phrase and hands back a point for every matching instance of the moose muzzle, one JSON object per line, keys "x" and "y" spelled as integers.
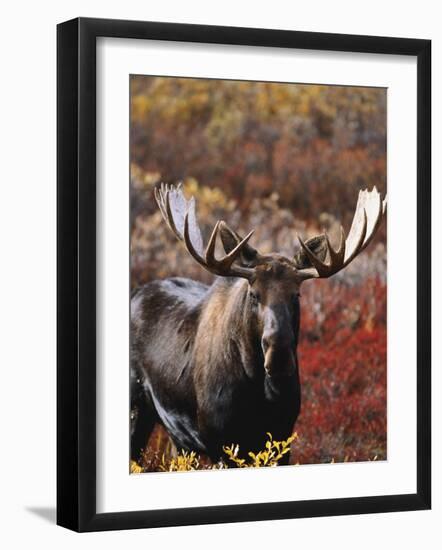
{"x": 278, "y": 342}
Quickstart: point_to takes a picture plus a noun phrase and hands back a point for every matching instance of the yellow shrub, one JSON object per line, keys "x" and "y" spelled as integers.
{"x": 186, "y": 461}
{"x": 270, "y": 456}
{"x": 135, "y": 468}
{"x": 183, "y": 462}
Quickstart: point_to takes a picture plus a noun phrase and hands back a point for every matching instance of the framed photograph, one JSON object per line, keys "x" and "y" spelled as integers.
{"x": 243, "y": 328}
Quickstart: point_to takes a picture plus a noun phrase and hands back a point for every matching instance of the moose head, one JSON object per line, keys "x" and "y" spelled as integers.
{"x": 274, "y": 280}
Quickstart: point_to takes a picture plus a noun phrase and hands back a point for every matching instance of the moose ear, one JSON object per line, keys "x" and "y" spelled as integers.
{"x": 230, "y": 239}
{"x": 318, "y": 245}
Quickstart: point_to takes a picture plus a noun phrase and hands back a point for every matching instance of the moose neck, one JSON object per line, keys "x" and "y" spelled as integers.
{"x": 228, "y": 330}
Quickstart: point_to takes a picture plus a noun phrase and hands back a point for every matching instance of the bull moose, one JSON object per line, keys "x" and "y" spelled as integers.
{"x": 217, "y": 365}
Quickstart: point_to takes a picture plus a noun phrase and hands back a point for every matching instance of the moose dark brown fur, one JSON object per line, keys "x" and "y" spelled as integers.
{"x": 217, "y": 365}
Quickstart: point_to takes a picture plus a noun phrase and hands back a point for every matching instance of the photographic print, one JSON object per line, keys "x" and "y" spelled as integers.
{"x": 258, "y": 274}
{"x": 222, "y": 273}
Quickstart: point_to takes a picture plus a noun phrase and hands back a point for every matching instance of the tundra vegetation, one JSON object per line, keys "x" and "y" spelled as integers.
{"x": 281, "y": 159}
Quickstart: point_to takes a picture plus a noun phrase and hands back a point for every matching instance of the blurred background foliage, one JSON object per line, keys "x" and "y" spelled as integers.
{"x": 312, "y": 145}
{"x": 281, "y": 159}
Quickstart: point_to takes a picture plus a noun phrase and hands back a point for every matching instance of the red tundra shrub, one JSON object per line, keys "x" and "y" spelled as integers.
{"x": 342, "y": 355}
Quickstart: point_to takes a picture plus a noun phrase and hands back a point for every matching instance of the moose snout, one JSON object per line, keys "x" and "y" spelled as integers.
{"x": 278, "y": 342}
{"x": 278, "y": 330}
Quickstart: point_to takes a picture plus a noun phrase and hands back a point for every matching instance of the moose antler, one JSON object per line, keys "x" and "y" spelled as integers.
{"x": 179, "y": 214}
{"x": 369, "y": 212}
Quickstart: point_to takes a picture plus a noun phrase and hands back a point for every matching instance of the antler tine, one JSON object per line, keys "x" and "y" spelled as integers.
{"x": 378, "y": 212}
{"x": 224, "y": 265}
{"x": 163, "y": 201}
{"x": 180, "y": 217}
{"x": 233, "y": 254}
{"x": 160, "y": 201}
{"x": 189, "y": 244}
{"x": 337, "y": 257}
{"x": 360, "y": 237}
{"x": 321, "y": 267}
{"x": 367, "y": 218}
{"x": 210, "y": 250}
{"x": 169, "y": 214}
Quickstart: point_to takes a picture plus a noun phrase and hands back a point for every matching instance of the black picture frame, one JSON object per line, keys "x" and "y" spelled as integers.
{"x": 76, "y": 273}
